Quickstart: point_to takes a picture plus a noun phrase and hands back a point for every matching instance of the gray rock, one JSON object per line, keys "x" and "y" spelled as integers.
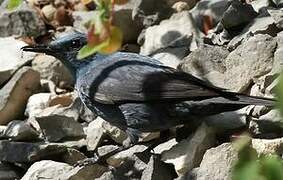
{"x": 165, "y": 146}
{"x": 9, "y": 172}
{"x": 72, "y": 156}
{"x": 237, "y": 14}
{"x": 278, "y": 3}
{"x": 263, "y": 24}
{"x": 268, "y": 146}
{"x": 234, "y": 19}
{"x": 20, "y": 131}
{"x": 254, "y": 58}
{"x": 86, "y": 172}
{"x": 123, "y": 19}
{"x": 14, "y": 95}
{"x": 260, "y": 5}
{"x": 24, "y": 152}
{"x": 22, "y": 21}
{"x": 11, "y": 57}
{"x": 206, "y": 63}
{"x": 171, "y": 56}
{"x": 2, "y": 131}
{"x": 106, "y": 176}
{"x": 37, "y": 103}
{"x": 217, "y": 163}
{"x": 157, "y": 169}
{"x": 268, "y": 125}
{"x": 228, "y": 120}
{"x": 278, "y": 61}
{"x": 98, "y": 130}
{"x": 46, "y": 169}
{"x": 94, "y": 134}
{"x": 175, "y": 32}
{"x": 52, "y": 69}
{"x": 151, "y": 12}
{"x": 190, "y": 3}
{"x": 59, "y": 127}
{"x": 126, "y": 156}
{"x": 277, "y": 15}
{"x": 81, "y": 18}
{"x": 188, "y": 153}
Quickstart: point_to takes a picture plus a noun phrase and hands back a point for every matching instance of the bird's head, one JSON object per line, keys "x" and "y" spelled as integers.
{"x": 64, "y": 48}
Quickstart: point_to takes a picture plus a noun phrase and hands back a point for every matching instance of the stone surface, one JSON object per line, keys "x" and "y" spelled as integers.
{"x": 171, "y": 56}
{"x": 254, "y": 58}
{"x": 14, "y": 95}
{"x": 98, "y": 129}
{"x": 188, "y": 153}
{"x": 263, "y": 24}
{"x": 22, "y": 21}
{"x": 37, "y": 103}
{"x": 157, "y": 169}
{"x": 268, "y": 146}
{"x": 124, "y": 156}
{"x": 20, "y": 131}
{"x": 217, "y": 163}
{"x": 175, "y": 32}
{"x": 47, "y": 169}
{"x": 267, "y": 125}
{"x": 11, "y": 57}
{"x": 123, "y": 19}
{"x": 151, "y": 12}
{"x": 237, "y": 14}
{"x": 24, "y": 152}
{"x": 277, "y": 15}
{"x": 206, "y": 63}
{"x": 9, "y": 172}
{"x": 52, "y": 69}
{"x": 59, "y": 127}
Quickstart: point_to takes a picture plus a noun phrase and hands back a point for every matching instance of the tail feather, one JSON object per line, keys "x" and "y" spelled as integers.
{"x": 255, "y": 100}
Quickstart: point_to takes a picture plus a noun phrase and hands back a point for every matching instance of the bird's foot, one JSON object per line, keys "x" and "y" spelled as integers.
{"x": 100, "y": 159}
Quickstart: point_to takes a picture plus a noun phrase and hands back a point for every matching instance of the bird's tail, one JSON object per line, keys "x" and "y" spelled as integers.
{"x": 255, "y": 100}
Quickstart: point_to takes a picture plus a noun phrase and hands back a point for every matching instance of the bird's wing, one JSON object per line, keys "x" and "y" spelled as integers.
{"x": 126, "y": 80}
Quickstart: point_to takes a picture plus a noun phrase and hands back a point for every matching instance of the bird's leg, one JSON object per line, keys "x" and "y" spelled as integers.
{"x": 101, "y": 159}
{"x": 128, "y": 143}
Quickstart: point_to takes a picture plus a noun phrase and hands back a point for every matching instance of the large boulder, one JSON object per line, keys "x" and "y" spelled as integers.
{"x": 252, "y": 59}
{"x": 15, "y": 94}
{"x": 11, "y": 57}
{"x": 22, "y": 21}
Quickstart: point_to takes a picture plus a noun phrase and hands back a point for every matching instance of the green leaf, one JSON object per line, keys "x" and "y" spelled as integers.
{"x": 247, "y": 171}
{"x": 88, "y": 50}
{"x": 12, "y": 4}
{"x": 272, "y": 167}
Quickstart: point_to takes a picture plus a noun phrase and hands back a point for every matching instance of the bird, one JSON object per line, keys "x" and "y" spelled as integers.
{"x": 138, "y": 93}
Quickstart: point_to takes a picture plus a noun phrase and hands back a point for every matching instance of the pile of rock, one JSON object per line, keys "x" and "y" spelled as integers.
{"x": 45, "y": 129}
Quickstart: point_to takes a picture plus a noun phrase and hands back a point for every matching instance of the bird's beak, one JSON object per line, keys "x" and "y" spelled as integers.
{"x": 39, "y": 48}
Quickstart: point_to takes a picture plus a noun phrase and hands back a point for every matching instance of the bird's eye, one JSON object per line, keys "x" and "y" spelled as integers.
{"x": 76, "y": 43}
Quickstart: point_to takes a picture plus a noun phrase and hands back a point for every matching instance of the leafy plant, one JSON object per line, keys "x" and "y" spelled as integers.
{"x": 12, "y": 4}
{"x": 103, "y": 37}
{"x": 252, "y": 166}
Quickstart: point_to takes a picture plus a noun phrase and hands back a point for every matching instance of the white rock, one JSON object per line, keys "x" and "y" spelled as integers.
{"x": 188, "y": 153}
{"x": 12, "y": 57}
{"x": 37, "y": 103}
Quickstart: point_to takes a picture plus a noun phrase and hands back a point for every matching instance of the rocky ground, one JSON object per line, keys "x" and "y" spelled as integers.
{"x": 45, "y": 129}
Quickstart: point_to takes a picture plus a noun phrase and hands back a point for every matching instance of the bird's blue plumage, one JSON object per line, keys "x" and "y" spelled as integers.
{"x": 137, "y": 93}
